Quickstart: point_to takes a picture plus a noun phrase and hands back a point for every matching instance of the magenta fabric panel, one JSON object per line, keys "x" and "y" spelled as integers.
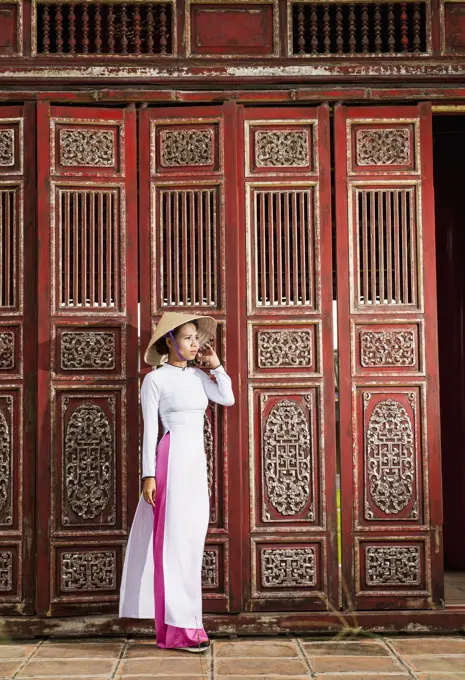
{"x": 167, "y": 636}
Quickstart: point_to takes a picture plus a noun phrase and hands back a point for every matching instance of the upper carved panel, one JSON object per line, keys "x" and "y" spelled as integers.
{"x": 281, "y": 149}
{"x": 285, "y": 349}
{"x": 388, "y": 348}
{"x": 186, "y": 147}
{"x": 89, "y": 148}
{"x": 387, "y": 146}
{"x": 7, "y": 350}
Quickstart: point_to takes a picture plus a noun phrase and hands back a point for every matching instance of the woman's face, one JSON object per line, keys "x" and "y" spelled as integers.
{"x": 187, "y": 338}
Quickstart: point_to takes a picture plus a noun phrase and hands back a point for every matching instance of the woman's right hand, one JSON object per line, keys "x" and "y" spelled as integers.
{"x": 149, "y": 490}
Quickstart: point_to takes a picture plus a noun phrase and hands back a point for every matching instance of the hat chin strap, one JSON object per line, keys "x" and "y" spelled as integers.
{"x": 176, "y": 347}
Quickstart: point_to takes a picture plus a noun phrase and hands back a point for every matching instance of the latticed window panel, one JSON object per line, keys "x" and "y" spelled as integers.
{"x": 9, "y": 247}
{"x": 283, "y": 247}
{"x": 190, "y": 228}
{"x": 386, "y": 245}
{"x": 104, "y": 28}
{"x": 359, "y": 28}
{"x": 88, "y": 248}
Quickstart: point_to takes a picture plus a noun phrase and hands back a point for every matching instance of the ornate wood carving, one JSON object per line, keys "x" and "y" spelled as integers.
{"x": 281, "y": 148}
{"x": 210, "y": 454}
{"x": 7, "y": 350}
{"x": 6, "y": 571}
{"x": 285, "y": 349}
{"x": 287, "y": 459}
{"x": 6, "y": 466}
{"x": 88, "y": 571}
{"x": 88, "y": 350}
{"x": 393, "y": 566}
{"x": 91, "y": 148}
{"x": 386, "y": 146}
{"x": 7, "y": 148}
{"x": 210, "y": 576}
{"x": 388, "y": 348}
{"x": 288, "y": 567}
{"x": 89, "y": 461}
{"x": 390, "y": 457}
{"x": 186, "y": 147}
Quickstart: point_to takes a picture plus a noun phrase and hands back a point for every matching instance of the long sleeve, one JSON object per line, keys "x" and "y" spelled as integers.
{"x": 221, "y": 391}
{"x": 149, "y": 397}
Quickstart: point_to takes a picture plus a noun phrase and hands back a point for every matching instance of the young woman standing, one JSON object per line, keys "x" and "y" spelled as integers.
{"x": 163, "y": 563}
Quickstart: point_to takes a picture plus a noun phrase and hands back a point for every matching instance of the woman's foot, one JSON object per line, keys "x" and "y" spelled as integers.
{"x": 201, "y": 647}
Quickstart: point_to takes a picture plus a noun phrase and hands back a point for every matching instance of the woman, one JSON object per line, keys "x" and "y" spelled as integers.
{"x": 163, "y": 564}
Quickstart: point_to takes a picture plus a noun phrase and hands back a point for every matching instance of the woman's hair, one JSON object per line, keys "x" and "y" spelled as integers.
{"x": 161, "y": 345}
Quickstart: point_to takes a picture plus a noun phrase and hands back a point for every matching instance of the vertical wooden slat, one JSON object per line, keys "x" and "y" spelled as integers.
{"x": 8, "y": 243}
{"x": 78, "y": 196}
{"x": 85, "y": 234}
{"x": 389, "y": 259}
{"x": 412, "y": 243}
{"x": 3, "y": 261}
{"x": 262, "y": 241}
{"x": 166, "y": 228}
{"x": 92, "y": 250}
{"x": 381, "y": 202}
{"x": 177, "y": 254}
{"x": 302, "y": 247}
{"x": 101, "y": 247}
{"x": 397, "y": 242}
{"x": 366, "y": 298}
{"x": 214, "y": 269}
{"x": 279, "y": 247}
{"x": 405, "y": 259}
{"x": 287, "y": 248}
{"x": 373, "y": 247}
{"x": 184, "y": 250}
{"x": 200, "y": 235}
{"x": 108, "y": 229}
{"x": 193, "y": 253}
{"x": 270, "y": 234}
{"x": 310, "y": 238}
{"x": 208, "y": 249}
{"x": 295, "y": 251}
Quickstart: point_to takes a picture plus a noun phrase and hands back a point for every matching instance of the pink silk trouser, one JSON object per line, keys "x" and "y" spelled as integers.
{"x": 168, "y": 637}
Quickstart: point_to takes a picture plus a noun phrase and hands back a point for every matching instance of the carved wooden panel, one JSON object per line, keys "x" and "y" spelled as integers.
{"x": 11, "y": 349}
{"x": 10, "y": 572}
{"x": 388, "y": 364}
{"x": 96, "y": 351}
{"x": 11, "y": 146}
{"x": 284, "y": 349}
{"x": 80, "y": 147}
{"x": 226, "y": 29}
{"x": 453, "y": 27}
{"x": 88, "y": 343}
{"x": 215, "y": 570}
{"x": 393, "y": 566}
{"x": 287, "y": 570}
{"x": 82, "y": 575}
{"x": 281, "y": 147}
{"x": 393, "y": 348}
{"x": 287, "y": 275}
{"x": 186, "y": 146}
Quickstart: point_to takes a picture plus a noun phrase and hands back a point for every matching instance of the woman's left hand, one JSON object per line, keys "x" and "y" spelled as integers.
{"x": 208, "y": 356}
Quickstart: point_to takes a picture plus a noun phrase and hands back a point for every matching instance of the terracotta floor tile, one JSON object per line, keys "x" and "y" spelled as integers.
{"x": 348, "y": 664}
{"x": 191, "y": 664}
{"x": 16, "y": 651}
{"x": 150, "y": 650}
{"x": 441, "y": 676}
{"x": 362, "y": 676}
{"x": 256, "y": 649}
{"x": 345, "y": 648}
{"x": 250, "y": 667}
{"x": 264, "y": 677}
{"x": 437, "y": 663}
{"x": 433, "y": 645}
{"x": 8, "y": 668}
{"x": 161, "y": 677}
{"x": 65, "y": 668}
{"x": 79, "y": 650}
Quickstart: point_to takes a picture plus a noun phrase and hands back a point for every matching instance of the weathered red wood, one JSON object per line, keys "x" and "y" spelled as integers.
{"x": 380, "y": 384}
{"x": 92, "y": 176}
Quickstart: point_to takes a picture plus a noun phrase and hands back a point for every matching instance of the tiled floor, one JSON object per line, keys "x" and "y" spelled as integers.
{"x": 363, "y": 658}
{"x": 454, "y": 582}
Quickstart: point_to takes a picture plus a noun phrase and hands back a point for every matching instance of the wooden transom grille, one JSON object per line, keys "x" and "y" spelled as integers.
{"x": 8, "y": 247}
{"x": 358, "y": 29}
{"x": 88, "y": 248}
{"x": 99, "y": 28}
{"x": 386, "y": 253}
{"x": 283, "y": 247}
{"x": 190, "y": 240}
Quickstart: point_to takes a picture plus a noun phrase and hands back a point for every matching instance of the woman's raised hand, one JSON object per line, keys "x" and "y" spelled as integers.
{"x": 208, "y": 356}
{"x": 149, "y": 490}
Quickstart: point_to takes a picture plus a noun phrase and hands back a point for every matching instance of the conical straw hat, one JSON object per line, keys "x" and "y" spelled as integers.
{"x": 171, "y": 320}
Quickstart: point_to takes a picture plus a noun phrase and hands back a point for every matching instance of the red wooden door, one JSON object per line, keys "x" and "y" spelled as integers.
{"x": 188, "y": 262}
{"x": 391, "y": 474}
{"x": 17, "y": 358}
{"x": 87, "y": 389}
{"x": 285, "y": 263}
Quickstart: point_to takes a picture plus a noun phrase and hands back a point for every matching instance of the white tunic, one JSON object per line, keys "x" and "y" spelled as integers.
{"x": 180, "y": 397}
